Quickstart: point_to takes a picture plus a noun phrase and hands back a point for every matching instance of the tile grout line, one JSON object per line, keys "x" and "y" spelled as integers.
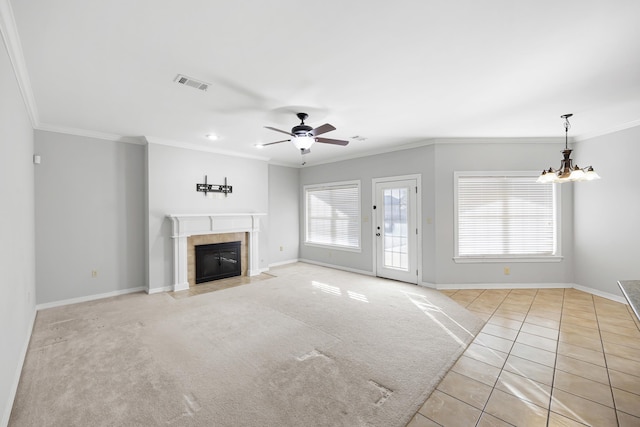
{"x": 492, "y": 387}
{"x": 485, "y": 324}
{"x": 482, "y": 411}
{"x": 605, "y": 367}
{"x": 548, "y": 410}
{"x": 450, "y": 369}
{"x": 505, "y": 360}
{"x": 606, "y": 363}
{"x": 555, "y": 362}
{"x": 564, "y": 310}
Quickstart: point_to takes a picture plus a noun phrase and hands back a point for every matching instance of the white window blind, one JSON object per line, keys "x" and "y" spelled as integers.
{"x": 505, "y": 216}
{"x": 333, "y": 215}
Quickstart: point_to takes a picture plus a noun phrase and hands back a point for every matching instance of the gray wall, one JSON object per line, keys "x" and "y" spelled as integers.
{"x": 607, "y": 212}
{"x": 484, "y": 156}
{"x": 284, "y": 214}
{"x": 89, "y": 216}
{"x": 414, "y": 161}
{"x": 437, "y": 163}
{"x": 172, "y": 177}
{"x": 17, "y": 251}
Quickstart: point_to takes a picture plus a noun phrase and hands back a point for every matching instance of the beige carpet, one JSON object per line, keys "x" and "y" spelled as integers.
{"x": 310, "y": 347}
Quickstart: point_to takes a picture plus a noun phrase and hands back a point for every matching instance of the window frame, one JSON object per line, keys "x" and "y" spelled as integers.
{"x": 557, "y": 214}
{"x": 329, "y": 186}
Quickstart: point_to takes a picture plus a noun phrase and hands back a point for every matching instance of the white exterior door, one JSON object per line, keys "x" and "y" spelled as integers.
{"x": 395, "y": 227}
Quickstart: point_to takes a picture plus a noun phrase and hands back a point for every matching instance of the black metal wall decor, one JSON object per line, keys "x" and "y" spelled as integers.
{"x": 214, "y": 188}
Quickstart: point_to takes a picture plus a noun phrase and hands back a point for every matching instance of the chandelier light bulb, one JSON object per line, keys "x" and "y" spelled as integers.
{"x": 590, "y": 174}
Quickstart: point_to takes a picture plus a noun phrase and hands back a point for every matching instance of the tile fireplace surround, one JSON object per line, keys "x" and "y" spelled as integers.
{"x": 186, "y": 225}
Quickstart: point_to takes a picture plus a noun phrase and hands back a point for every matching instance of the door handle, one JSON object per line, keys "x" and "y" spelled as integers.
{"x": 378, "y": 234}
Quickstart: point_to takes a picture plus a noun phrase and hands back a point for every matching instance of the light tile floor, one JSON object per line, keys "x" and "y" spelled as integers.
{"x": 545, "y": 357}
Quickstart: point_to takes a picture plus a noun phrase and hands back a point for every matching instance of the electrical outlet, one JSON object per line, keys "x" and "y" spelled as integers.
{"x": 94, "y": 273}
{"x": 507, "y": 271}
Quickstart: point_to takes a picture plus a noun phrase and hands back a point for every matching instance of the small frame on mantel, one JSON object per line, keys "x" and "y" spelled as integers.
{"x": 214, "y": 188}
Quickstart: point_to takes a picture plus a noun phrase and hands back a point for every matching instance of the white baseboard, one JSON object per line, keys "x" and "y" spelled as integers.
{"x": 338, "y": 267}
{"x": 89, "y": 298}
{"x": 16, "y": 378}
{"x": 279, "y": 263}
{"x": 502, "y": 286}
{"x": 607, "y": 295}
{"x": 159, "y": 290}
{"x": 586, "y": 289}
{"x": 428, "y": 285}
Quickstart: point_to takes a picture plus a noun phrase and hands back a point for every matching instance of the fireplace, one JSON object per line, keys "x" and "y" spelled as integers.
{"x": 218, "y": 261}
{"x": 189, "y": 230}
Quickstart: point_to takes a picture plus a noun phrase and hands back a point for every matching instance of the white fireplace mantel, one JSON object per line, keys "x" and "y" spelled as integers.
{"x": 185, "y": 225}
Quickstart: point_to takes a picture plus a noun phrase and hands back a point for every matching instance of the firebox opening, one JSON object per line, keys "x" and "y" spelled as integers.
{"x": 218, "y": 261}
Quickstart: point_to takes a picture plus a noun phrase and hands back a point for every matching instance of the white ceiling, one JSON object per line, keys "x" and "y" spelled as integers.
{"x": 396, "y": 72}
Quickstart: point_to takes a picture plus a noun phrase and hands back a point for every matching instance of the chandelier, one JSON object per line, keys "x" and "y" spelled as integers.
{"x": 567, "y": 171}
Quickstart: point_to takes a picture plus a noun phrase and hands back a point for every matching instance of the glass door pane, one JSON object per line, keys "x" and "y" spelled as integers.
{"x": 396, "y": 237}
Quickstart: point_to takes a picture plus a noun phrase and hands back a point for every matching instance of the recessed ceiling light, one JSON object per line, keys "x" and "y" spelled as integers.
{"x": 212, "y": 136}
{"x": 259, "y": 146}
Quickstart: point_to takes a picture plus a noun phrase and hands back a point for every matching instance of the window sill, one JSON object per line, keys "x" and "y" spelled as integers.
{"x": 480, "y": 260}
{"x": 333, "y": 247}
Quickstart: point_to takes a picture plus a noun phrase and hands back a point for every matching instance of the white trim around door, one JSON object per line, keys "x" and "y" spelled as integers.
{"x": 411, "y": 272}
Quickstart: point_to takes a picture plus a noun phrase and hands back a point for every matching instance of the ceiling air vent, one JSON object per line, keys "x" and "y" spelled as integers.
{"x": 188, "y": 81}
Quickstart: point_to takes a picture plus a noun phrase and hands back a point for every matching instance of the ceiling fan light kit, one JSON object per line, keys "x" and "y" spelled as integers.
{"x": 568, "y": 172}
{"x": 304, "y": 136}
{"x": 303, "y": 142}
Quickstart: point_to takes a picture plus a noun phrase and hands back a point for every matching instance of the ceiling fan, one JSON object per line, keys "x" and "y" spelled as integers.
{"x": 304, "y": 136}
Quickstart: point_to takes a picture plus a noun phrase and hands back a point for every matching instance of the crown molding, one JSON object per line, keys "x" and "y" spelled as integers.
{"x": 374, "y": 152}
{"x": 607, "y": 131}
{"x": 500, "y": 140}
{"x": 9, "y": 32}
{"x": 91, "y": 134}
{"x": 443, "y": 141}
{"x": 141, "y": 140}
{"x": 195, "y": 147}
{"x": 285, "y": 164}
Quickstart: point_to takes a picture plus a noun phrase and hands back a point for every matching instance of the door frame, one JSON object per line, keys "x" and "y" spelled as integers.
{"x": 418, "y": 213}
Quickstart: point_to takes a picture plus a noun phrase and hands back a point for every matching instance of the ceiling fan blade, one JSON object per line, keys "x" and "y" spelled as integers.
{"x": 332, "y": 141}
{"x": 322, "y": 129}
{"x": 277, "y": 142}
{"x": 278, "y": 130}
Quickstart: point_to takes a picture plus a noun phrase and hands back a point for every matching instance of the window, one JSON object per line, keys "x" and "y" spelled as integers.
{"x": 505, "y": 215}
{"x": 332, "y": 215}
